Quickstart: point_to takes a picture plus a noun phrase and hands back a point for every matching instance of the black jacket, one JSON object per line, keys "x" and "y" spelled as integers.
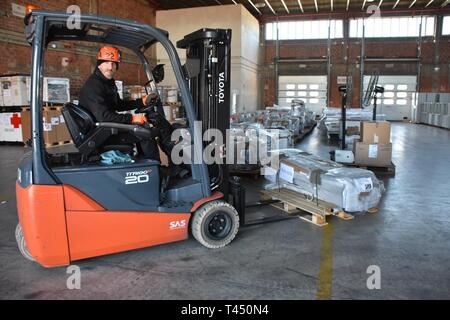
{"x": 99, "y": 95}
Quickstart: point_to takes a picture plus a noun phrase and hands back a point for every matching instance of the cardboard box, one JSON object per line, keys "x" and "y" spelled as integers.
{"x": 62, "y": 132}
{"x": 373, "y": 132}
{"x": 377, "y": 155}
{"x": 53, "y": 129}
{"x": 26, "y": 125}
{"x": 163, "y": 157}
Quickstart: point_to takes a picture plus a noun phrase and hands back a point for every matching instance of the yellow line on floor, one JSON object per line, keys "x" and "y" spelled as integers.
{"x": 325, "y": 278}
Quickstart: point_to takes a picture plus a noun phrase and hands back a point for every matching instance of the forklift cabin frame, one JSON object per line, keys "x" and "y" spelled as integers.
{"x": 59, "y": 223}
{"x": 46, "y": 27}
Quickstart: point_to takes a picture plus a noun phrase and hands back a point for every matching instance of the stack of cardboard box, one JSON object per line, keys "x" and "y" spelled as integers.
{"x": 54, "y": 126}
{"x": 375, "y": 147}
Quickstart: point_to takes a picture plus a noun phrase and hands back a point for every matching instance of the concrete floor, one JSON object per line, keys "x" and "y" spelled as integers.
{"x": 408, "y": 239}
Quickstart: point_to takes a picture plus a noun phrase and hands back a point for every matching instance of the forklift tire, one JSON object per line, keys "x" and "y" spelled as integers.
{"x": 22, "y": 244}
{"x": 215, "y": 224}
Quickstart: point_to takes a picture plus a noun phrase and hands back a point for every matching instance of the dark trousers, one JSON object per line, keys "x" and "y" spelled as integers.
{"x": 148, "y": 149}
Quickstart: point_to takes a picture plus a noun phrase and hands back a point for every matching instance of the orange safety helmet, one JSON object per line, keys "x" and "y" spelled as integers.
{"x": 107, "y": 53}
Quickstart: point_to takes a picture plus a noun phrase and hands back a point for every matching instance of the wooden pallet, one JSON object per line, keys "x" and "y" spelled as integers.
{"x": 311, "y": 210}
{"x": 306, "y": 131}
{"x": 381, "y": 171}
{"x": 59, "y": 143}
{"x": 254, "y": 173}
{"x": 173, "y": 104}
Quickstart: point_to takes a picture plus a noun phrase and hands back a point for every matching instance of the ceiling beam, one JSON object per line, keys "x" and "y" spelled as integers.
{"x": 285, "y": 6}
{"x": 270, "y": 7}
{"x": 253, "y": 5}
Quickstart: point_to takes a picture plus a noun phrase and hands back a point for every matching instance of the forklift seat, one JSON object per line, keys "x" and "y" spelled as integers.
{"x": 88, "y": 137}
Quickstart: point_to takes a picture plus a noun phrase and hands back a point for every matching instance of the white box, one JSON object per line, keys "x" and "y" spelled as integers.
{"x": 446, "y": 121}
{"x": 119, "y": 85}
{"x": 10, "y": 127}
{"x": 14, "y": 91}
{"x": 56, "y": 90}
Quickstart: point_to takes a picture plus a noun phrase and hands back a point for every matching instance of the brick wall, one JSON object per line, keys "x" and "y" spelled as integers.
{"x": 16, "y": 58}
{"x": 431, "y": 80}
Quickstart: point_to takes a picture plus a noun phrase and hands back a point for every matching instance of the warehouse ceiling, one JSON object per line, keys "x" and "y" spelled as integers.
{"x": 262, "y": 8}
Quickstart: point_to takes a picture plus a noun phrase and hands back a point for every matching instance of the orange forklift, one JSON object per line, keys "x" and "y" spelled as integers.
{"x": 78, "y": 208}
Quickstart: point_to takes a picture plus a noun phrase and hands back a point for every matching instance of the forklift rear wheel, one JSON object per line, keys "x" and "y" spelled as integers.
{"x": 22, "y": 244}
{"x": 215, "y": 224}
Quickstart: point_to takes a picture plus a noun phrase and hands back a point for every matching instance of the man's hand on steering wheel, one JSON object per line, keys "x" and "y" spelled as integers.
{"x": 139, "y": 119}
{"x": 150, "y": 99}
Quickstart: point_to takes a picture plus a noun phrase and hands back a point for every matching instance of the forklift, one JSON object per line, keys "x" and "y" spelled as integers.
{"x": 81, "y": 209}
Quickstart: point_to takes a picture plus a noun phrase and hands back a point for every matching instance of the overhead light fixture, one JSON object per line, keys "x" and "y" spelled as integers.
{"x": 30, "y": 7}
{"x": 445, "y": 3}
{"x": 431, "y": 1}
{"x": 260, "y": 5}
{"x": 379, "y": 4}
{"x": 270, "y": 7}
{"x": 412, "y": 3}
{"x": 364, "y": 3}
{"x": 395, "y": 5}
{"x": 300, "y": 5}
{"x": 253, "y": 5}
{"x": 284, "y": 4}
{"x": 348, "y": 3}
{"x": 331, "y": 5}
{"x": 317, "y": 7}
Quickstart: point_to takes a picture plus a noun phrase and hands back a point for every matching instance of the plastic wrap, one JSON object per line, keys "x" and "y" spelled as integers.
{"x": 350, "y": 189}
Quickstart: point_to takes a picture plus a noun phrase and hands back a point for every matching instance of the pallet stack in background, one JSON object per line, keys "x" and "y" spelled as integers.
{"x": 15, "y": 109}
{"x": 434, "y": 109}
{"x": 375, "y": 147}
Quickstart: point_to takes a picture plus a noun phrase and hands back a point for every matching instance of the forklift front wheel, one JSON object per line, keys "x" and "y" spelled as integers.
{"x": 215, "y": 224}
{"x": 22, "y": 244}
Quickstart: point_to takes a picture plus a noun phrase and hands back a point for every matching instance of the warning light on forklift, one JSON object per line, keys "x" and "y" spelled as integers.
{"x": 31, "y": 7}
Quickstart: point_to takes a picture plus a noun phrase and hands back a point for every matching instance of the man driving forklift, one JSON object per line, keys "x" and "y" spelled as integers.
{"x": 99, "y": 94}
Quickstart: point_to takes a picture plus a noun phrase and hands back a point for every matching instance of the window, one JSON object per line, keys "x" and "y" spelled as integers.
{"x": 446, "y": 26}
{"x": 314, "y": 86}
{"x": 390, "y": 27}
{"x": 402, "y": 94}
{"x": 314, "y": 93}
{"x": 305, "y": 29}
{"x": 402, "y": 102}
{"x": 301, "y": 93}
{"x": 314, "y": 100}
{"x": 389, "y": 87}
{"x": 402, "y": 87}
{"x": 302, "y": 86}
{"x": 388, "y": 101}
{"x": 290, "y": 93}
{"x": 388, "y": 95}
{"x": 290, "y": 86}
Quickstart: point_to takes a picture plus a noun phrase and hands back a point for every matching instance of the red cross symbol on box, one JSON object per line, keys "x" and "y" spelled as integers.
{"x": 16, "y": 121}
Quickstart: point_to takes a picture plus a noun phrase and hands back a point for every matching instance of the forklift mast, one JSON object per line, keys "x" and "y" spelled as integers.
{"x": 208, "y": 59}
